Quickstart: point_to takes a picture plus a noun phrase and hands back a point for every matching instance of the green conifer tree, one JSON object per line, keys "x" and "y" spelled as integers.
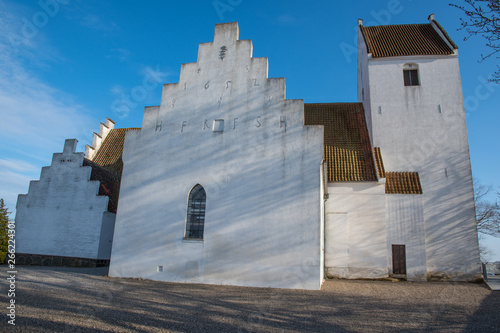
{"x": 4, "y": 237}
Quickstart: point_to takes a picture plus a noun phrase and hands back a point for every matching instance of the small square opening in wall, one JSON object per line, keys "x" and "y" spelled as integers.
{"x": 159, "y": 269}
{"x": 218, "y": 125}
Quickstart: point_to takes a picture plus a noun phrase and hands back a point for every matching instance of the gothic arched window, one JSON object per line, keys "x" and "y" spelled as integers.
{"x": 195, "y": 222}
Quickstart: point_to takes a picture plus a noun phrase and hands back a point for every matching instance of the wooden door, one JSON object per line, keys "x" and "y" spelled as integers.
{"x": 398, "y": 259}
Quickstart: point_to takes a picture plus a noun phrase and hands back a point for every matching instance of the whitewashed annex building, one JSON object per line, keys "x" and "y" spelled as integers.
{"x": 228, "y": 182}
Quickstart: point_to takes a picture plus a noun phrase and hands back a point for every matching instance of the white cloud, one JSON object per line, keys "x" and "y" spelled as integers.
{"x": 122, "y": 55}
{"x": 117, "y": 90}
{"x": 14, "y": 184}
{"x": 155, "y": 75}
{"x": 95, "y": 22}
{"x": 34, "y": 114}
{"x": 36, "y": 118}
{"x": 17, "y": 165}
{"x": 15, "y": 180}
{"x": 82, "y": 13}
{"x": 130, "y": 99}
{"x": 287, "y": 19}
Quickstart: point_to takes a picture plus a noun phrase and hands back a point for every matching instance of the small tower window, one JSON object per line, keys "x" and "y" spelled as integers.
{"x": 410, "y": 75}
{"x": 195, "y": 222}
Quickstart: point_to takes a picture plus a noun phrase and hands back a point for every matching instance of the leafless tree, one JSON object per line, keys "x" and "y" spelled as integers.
{"x": 483, "y": 19}
{"x": 485, "y": 253}
{"x": 487, "y": 211}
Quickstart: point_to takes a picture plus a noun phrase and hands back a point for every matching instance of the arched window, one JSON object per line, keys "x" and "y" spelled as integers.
{"x": 410, "y": 75}
{"x": 195, "y": 221}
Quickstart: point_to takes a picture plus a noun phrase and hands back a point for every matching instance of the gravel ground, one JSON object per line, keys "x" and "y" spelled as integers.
{"x": 83, "y": 300}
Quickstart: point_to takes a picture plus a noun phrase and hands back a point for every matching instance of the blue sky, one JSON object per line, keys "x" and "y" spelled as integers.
{"x": 65, "y": 65}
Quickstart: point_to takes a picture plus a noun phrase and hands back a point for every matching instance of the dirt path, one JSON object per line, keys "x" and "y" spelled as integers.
{"x": 80, "y": 300}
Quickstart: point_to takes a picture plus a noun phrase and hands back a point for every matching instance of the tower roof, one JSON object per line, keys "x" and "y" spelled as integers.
{"x": 407, "y": 40}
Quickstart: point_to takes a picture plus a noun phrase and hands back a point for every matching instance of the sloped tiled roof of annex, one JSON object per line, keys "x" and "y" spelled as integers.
{"x": 397, "y": 182}
{"x": 405, "y": 40}
{"x": 346, "y": 147}
{"x": 403, "y": 183}
{"x": 379, "y": 162}
{"x": 110, "y": 153}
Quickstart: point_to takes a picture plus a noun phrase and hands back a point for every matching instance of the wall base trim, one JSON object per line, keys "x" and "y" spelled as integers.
{"x": 29, "y": 259}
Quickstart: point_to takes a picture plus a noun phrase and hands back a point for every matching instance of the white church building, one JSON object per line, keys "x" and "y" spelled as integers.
{"x": 228, "y": 182}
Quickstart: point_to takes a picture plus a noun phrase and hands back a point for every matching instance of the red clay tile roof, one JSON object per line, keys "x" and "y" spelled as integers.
{"x": 347, "y": 148}
{"x": 110, "y": 153}
{"x": 379, "y": 162}
{"x": 403, "y": 183}
{"x": 107, "y": 165}
{"x": 109, "y": 183}
{"x": 405, "y": 40}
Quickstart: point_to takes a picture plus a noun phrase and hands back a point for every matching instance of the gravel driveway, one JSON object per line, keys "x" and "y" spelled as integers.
{"x": 83, "y": 300}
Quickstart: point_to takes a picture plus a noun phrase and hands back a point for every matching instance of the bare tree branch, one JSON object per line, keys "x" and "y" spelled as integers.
{"x": 487, "y": 212}
{"x": 483, "y": 19}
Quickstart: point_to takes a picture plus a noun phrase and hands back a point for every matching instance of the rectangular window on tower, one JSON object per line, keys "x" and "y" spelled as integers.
{"x": 411, "y": 77}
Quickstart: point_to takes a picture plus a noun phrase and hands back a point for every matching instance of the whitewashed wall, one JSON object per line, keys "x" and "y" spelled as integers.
{"x": 422, "y": 128}
{"x": 62, "y": 215}
{"x": 355, "y": 231}
{"x": 261, "y": 175}
{"x": 364, "y": 95}
{"x": 405, "y": 226}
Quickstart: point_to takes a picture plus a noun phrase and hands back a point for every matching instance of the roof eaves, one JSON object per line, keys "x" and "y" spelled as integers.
{"x": 379, "y": 163}
{"x": 403, "y": 183}
{"x": 368, "y": 51}
{"x": 445, "y": 34}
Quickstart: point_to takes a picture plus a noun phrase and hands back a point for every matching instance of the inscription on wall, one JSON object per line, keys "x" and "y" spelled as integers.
{"x": 222, "y": 53}
{"x": 218, "y": 124}
{"x": 257, "y": 122}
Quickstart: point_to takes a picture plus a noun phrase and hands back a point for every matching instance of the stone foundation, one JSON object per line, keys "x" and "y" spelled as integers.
{"x": 356, "y": 273}
{"x": 47, "y": 260}
{"x": 455, "y": 276}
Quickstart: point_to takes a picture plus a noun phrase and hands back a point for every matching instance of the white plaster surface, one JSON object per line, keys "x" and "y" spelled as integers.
{"x": 405, "y": 226}
{"x": 98, "y": 138}
{"x": 355, "y": 230}
{"x": 261, "y": 174}
{"x": 228, "y": 127}
{"x": 422, "y": 128}
{"x": 62, "y": 215}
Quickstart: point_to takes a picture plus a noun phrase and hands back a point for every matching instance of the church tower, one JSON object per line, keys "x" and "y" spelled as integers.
{"x": 409, "y": 83}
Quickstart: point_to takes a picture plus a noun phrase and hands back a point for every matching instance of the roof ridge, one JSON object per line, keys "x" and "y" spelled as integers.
{"x": 127, "y": 128}
{"x": 395, "y": 25}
